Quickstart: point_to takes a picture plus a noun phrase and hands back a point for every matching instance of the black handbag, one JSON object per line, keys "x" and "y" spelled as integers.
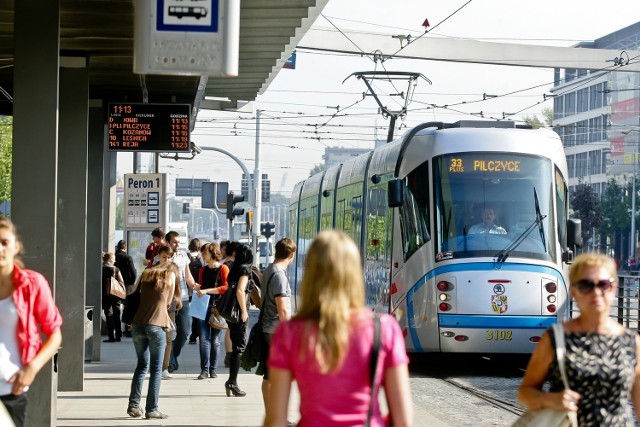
{"x": 131, "y": 304}
{"x": 228, "y": 305}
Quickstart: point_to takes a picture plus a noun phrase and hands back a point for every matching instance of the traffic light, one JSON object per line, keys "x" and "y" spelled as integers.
{"x": 185, "y": 208}
{"x": 249, "y": 221}
{"x": 267, "y": 229}
{"x": 232, "y": 211}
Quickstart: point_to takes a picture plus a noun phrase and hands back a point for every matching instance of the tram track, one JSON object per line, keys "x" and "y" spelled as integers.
{"x": 509, "y": 406}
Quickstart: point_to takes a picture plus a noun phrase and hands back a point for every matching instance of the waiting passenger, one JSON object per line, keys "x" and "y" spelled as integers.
{"x": 487, "y": 226}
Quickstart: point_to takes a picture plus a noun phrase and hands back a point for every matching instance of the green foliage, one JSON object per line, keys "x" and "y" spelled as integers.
{"x": 547, "y": 113}
{"x": 6, "y": 148}
{"x": 533, "y": 121}
{"x": 616, "y": 215}
{"x": 586, "y": 206}
{"x": 317, "y": 168}
{"x": 120, "y": 213}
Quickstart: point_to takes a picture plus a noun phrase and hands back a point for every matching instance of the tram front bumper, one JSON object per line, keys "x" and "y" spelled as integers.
{"x": 491, "y": 334}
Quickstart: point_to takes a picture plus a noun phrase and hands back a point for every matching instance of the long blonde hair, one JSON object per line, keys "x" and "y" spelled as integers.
{"x": 332, "y": 286}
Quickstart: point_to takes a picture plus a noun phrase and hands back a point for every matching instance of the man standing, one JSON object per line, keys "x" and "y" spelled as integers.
{"x": 276, "y": 300}
{"x": 157, "y": 241}
{"x": 183, "y": 319}
{"x": 125, "y": 264}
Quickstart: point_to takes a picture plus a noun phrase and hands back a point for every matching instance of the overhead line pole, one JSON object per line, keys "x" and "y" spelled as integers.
{"x": 250, "y": 185}
{"x": 257, "y": 179}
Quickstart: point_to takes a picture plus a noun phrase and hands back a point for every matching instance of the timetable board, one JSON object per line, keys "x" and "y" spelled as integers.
{"x": 160, "y": 128}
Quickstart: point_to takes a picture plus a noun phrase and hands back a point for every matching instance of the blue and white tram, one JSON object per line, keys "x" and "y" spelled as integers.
{"x": 412, "y": 205}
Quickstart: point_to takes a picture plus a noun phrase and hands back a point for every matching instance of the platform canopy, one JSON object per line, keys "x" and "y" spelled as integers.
{"x": 102, "y": 32}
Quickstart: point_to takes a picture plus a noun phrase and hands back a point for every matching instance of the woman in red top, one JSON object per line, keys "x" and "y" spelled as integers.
{"x": 26, "y": 304}
{"x": 213, "y": 281}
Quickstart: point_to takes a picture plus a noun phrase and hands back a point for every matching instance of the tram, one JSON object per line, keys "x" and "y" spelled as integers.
{"x": 420, "y": 209}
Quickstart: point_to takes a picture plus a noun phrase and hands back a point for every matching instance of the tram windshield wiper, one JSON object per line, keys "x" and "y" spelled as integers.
{"x": 504, "y": 254}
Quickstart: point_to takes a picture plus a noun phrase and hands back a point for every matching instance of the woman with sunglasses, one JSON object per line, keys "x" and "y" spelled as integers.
{"x": 601, "y": 360}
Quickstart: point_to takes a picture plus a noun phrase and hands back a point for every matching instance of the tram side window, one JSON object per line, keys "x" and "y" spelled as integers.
{"x": 561, "y": 208}
{"x": 313, "y": 222}
{"x": 356, "y": 213}
{"x": 340, "y": 215}
{"x": 414, "y": 218}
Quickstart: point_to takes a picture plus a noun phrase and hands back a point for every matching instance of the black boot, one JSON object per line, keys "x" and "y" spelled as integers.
{"x": 234, "y": 367}
{"x": 233, "y": 388}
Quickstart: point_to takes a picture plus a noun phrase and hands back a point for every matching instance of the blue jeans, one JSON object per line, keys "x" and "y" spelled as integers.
{"x": 183, "y": 326}
{"x": 209, "y": 345}
{"x": 149, "y": 342}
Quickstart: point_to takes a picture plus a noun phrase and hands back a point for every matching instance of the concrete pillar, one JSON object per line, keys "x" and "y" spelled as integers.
{"x": 94, "y": 219}
{"x": 35, "y": 156}
{"x": 109, "y": 163}
{"x": 72, "y": 216}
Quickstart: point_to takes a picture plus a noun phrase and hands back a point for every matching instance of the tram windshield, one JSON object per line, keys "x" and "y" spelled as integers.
{"x": 486, "y": 204}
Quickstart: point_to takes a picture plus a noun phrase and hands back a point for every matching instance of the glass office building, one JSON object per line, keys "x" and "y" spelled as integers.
{"x": 597, "y": 115}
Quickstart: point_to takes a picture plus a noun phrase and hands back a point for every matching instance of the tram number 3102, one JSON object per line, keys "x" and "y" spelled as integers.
{"x": 498, "y": 335}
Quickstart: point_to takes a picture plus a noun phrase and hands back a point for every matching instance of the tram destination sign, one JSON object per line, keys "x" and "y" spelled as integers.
{"x": 148, "y": 127}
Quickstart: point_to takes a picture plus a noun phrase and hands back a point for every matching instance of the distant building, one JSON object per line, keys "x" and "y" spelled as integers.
{"x": 336, "y": 155}
{"x": 597, "y": 115}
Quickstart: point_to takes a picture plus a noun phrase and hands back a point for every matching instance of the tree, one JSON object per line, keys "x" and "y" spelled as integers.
{"x": 533, "y": 121}
{"x": 586, "y": 205}
{"x": 547, "y": 113}
{"x": 615, "y": 218}
{"x": 6, "y": 148}
{"x": 317, "y": 168}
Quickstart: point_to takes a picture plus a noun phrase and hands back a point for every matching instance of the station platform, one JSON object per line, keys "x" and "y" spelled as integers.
{"x": 185, "y": 399}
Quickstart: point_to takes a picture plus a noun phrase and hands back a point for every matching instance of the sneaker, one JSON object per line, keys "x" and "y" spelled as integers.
{"x": 135, "y": 411}
{"x": 166, "y": 375}
{"x": 203, "y": 375}
{"x": 156, "y": 415}
{"x": 212, "y": 374}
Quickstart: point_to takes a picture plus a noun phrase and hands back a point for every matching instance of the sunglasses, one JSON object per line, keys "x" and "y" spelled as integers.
{"x": 586, "y": 286}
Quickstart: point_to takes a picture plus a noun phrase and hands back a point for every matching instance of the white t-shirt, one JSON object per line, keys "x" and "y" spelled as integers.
{"x": 181, "y": 259}
{"x": 10, "y": 361}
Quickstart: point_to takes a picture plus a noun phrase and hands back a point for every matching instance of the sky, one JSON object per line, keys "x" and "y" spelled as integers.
{"x": 297, "y": 108}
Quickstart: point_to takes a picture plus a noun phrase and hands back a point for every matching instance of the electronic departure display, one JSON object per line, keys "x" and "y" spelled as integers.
{"x": 149, "y": 127}
{"x": 469, "y": 164}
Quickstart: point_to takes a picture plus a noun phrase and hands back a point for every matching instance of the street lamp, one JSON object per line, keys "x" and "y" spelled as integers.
{"x": 632, "y": 240}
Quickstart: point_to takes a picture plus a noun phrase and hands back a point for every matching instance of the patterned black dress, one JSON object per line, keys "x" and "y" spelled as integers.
{"x": 602, "y": 369}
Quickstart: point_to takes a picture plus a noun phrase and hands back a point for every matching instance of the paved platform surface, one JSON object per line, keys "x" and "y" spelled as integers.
{"x": 187, "y": 400}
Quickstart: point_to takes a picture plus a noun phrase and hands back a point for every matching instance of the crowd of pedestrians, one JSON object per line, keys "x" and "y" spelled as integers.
{"x": 589, "y": 363}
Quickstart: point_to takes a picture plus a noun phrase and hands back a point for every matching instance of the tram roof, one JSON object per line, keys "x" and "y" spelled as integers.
{"x": 102, "y": 32}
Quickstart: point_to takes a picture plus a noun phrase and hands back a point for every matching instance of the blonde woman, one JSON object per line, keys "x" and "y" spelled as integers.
{"x": 150, "y": 324}
{"x": 326, "y": 347}
{"x": 601, "y": 360}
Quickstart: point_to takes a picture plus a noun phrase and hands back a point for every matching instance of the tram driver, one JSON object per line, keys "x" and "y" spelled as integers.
{"x": 488, "y": 225}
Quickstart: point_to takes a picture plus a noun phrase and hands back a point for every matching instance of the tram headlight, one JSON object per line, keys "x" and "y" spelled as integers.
{"x": 444, "y": 297}
{"x": 551, "y": 299}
